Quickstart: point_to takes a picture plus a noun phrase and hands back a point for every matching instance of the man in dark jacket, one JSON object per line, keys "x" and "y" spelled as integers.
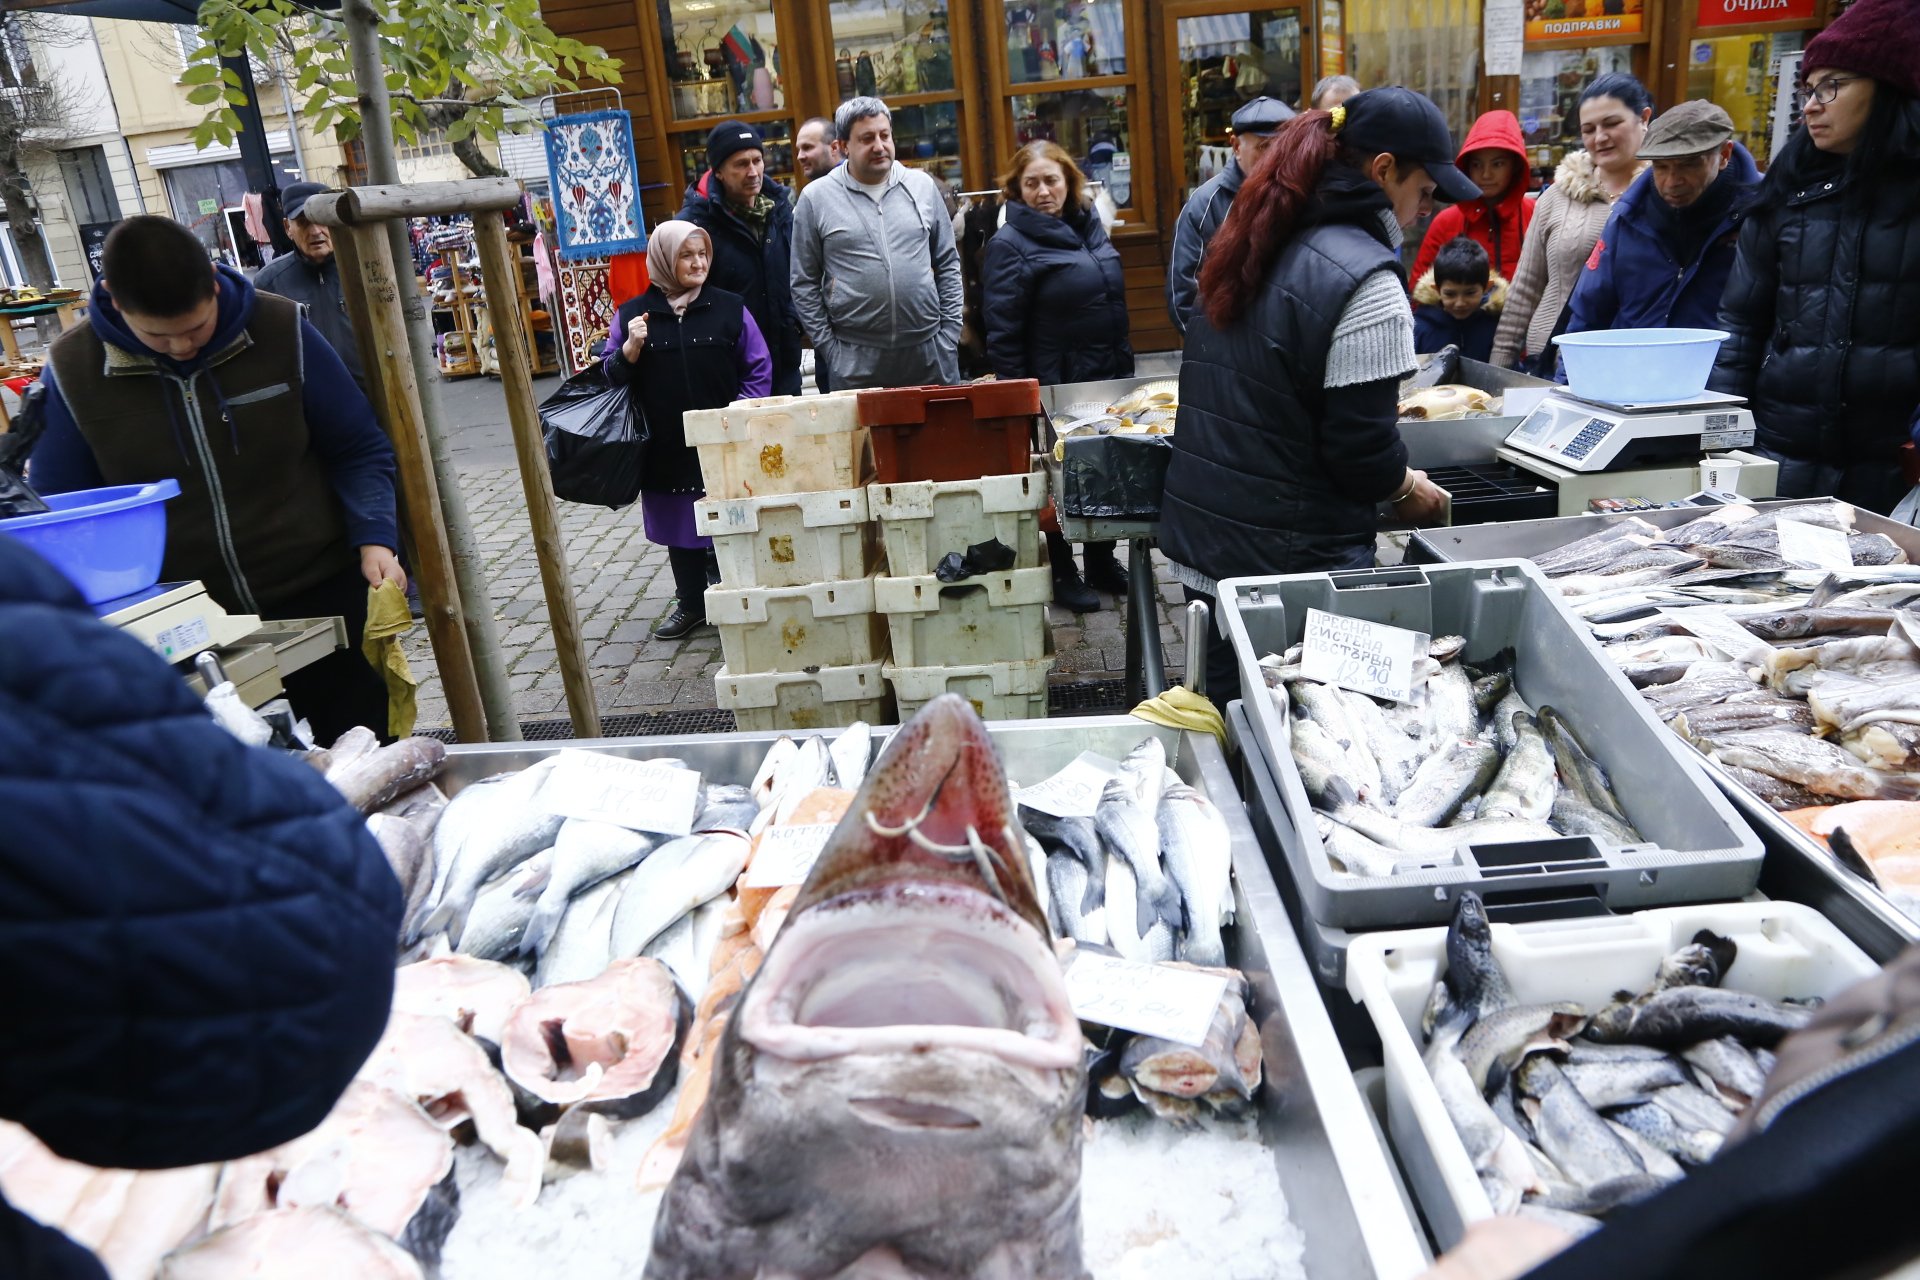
{"x": 199, "y": 934}
{"x": 749, "y": 219}
{"x": 286, "y": 509}
{"x": 1668, "y": 247}
{"x": 1253, "y": 124}
{"x": 310, "y": 275}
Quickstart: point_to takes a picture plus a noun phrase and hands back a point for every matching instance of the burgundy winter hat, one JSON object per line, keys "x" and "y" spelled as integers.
{"x": 1878, "y": 38}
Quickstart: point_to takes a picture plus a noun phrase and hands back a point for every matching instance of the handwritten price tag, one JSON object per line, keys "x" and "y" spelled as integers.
{"x": 1813, "y": 547}
{"x": 1716, "y": 628}
{"x": 1074, "y": 792}
{"x": 786, "y": 854}
{"x": 1366, "y": 657}
{"x": 637, "y": 794}
{"x": 1152, "y": 999}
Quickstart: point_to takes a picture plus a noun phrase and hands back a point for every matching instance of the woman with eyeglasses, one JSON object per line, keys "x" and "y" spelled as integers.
{"x": 1824, "y": 302}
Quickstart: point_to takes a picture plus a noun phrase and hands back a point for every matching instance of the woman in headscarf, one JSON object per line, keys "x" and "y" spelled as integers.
{"x": 1824, "y": 301}
{"x": 682, "y": 345}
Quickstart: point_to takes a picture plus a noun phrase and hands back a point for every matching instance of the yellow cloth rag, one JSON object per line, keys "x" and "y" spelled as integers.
{"x": 387, "y": 620}
{"x": 1182, "y": 708}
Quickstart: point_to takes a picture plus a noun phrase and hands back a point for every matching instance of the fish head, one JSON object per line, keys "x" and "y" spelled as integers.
{"x": 919, "y": 928}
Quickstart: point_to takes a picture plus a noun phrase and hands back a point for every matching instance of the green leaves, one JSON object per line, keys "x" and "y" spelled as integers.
{"x": 456, "y": 64}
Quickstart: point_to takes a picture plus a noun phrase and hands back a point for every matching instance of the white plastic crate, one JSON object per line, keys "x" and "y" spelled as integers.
{"x": 830, "y": 698}
{"x": 997, "y": 690}
{"x": 823, "y": 624}
{"x": 1786, "y": 950}
{"x": 995, "y": 617}
{"x": 781, "y": 444}
{"x": 790, "y": 539}
{"x": 922, "y": 520}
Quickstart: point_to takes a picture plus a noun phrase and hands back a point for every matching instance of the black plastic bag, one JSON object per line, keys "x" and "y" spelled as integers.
{"x": 17, "y": 497}
{"x": 596, "y": 440}
{"x": 1114, "y": 477}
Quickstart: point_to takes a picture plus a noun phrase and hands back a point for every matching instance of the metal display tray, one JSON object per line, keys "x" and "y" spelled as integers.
{"x": 1341, "y": 1187}
{"x": 1695, "y": 848}
{"x": 1796, "y": 868}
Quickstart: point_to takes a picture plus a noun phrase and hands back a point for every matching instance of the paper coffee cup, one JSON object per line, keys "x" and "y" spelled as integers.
{"x": 1720, "y": 475}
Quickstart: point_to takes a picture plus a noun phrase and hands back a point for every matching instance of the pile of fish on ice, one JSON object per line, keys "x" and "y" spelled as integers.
{"x": 1817, "y": 709}
{"x": 560, "y": 977}
{"x": 1568, "y": 1112}
{"x": 1403, "y": 786}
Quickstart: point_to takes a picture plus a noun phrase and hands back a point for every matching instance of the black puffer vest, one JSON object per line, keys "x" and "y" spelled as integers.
{"x": 1824, "y": 311}
{"x": 1246, "y": 491}
{"x": 689, "y": 362}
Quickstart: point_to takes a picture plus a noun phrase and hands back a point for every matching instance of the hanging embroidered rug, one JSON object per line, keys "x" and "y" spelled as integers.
{"x": 596, "y": 185}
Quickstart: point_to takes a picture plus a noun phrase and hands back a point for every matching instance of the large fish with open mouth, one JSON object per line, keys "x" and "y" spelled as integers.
{"x": 900, "y": 1089}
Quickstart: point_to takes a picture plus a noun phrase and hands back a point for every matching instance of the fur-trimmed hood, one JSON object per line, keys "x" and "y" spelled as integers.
{"x": 1581, "y": 179}
{"x": 1427, "y": 294}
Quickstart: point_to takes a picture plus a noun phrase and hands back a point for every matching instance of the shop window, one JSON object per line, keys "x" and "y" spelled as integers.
{"x": 1092, "y": 125}
{"x": 1551, "y": 82}
{"x": 1433, "y": 48}
{"x": 1224, "y": 59}
{"x": 691, "y": 148}
{"x": 1742, "y": 75}
{"x": 889, "y": 49}
{"x": 722, "y": 57}
{"x": 928, "y": 138}
{"x": 89, "y": 185}
{"x": 1066, "y": 40}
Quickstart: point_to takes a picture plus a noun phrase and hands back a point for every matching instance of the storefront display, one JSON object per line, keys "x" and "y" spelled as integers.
{"x": 1551, "y": 82}
{"x": 891, "y": 49}
{"x": 928, "y": 138}
{"x": 1224, "y": 59}
{"x": 1430, "y": 48}
{"x": 691, "y": 149}
{"x": 1092, "y": 125}
{"x": 1742, "y": 74}
{"x": 722, "y": 58}
{"x": 1066, "y": 40}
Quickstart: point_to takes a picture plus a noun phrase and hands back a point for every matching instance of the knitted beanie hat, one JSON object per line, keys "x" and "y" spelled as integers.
{"x": 1878, "y": 38}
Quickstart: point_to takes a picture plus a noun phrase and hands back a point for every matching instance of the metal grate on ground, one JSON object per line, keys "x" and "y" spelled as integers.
{"x": 1082, "y": 698}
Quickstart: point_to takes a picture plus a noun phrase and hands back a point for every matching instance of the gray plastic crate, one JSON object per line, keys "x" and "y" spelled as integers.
{"x": 1696, "y": 848}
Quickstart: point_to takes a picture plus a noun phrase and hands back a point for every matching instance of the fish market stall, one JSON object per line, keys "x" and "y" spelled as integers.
{"x": 1703, "y": 582}
{"x": 563, "y": 1050}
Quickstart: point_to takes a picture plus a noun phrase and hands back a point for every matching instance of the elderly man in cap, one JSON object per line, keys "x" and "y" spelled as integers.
{"x": 1668, "y": 247}
{"x": 310, "y": 276}
{"x": 748, "y": 219}
{"x": 1253, "y": 124}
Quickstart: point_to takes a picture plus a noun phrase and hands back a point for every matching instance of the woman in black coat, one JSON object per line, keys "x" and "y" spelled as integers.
{"x": 1824, "y": 302}
{"x": 682, "y": 345}
{"x": 1055, "y": 308}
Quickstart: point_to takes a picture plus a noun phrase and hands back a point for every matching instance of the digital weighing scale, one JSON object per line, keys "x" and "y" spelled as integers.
{"x": 177, "y": 620}
{"x": 1598, "y": 435}
{"x": 1590, "y": 449}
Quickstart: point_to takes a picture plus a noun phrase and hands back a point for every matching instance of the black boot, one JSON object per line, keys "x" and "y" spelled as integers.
{"x": 1104, "y": 573}
{"x": 1068, "y": 590}
{"x": 713, "y": 567}
{"x": 689, "y": 566}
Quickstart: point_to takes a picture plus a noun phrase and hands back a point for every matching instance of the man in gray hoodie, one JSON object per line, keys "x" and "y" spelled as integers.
{"x": 1253, "y": 124}
{"x": 876, "y": 274}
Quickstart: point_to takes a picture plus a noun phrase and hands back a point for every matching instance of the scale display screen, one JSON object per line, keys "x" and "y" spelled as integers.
{"x": 1561, "y": 428}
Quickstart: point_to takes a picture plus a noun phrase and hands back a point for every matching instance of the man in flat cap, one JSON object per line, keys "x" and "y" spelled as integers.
{"x": 1668, "y": 247}
{"x": 1253, "y": 124}
{"x": 310, "y": 276}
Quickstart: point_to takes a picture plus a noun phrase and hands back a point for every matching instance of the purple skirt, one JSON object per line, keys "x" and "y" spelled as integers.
{"x": 667, "y": 519}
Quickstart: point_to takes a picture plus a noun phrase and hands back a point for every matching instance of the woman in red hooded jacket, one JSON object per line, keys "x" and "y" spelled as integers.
{"x": 1495, "y": 157}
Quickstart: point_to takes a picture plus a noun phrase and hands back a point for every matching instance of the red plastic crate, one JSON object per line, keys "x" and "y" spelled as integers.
{"x": 951, "y": 433}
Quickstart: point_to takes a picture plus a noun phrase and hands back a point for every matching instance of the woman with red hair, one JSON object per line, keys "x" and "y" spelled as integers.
{"x": 1287, "y": 438}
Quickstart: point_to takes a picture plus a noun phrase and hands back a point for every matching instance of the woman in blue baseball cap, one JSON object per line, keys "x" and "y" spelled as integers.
{"x": 1287, "y": 439}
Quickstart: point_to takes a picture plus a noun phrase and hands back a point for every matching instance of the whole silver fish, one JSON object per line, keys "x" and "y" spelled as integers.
{"x": 1497, "y": 1153}
{"x": 1726, "y": 1062}
{"x": 584, "y": 854}
{"x": 1451, "y": 711}
{"x": 1474, "y": 980}
{"x": 1130, "y": 835}
{"x": 1397, "y": 755}
{"x": 1682, "y": 1016}
{"x": 1076, "y": 838}
{"x": 725, "y": 805}
{"x": 1440, "y": 842}
{"x": 1580, "y": 773}
{"x": 1357, "y": 855}
{"x": 581, "y": 945}
{"x": 1150, "y": 945}
{"x": 1501, "y": 1039}
{"x": 1524, "y": 787}
{"x": 673, "y": 880}
{"x": 1618, "y": 1084}
{"x": 1196, "y": 848}
{"x": 498, "y": 922}
{"x": 1445, "y": 781}
{"x": 1067, "y": 882}
{"x": 1571, "y": 1132}
{"x": 1322, "y": 763}
{"x": 488, "y": 826}
{"x": 1814, "y": 763}
{"x": 1657, "y": 1125}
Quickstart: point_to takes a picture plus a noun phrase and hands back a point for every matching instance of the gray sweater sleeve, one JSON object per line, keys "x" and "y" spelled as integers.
{"x": 1373, "y": 339}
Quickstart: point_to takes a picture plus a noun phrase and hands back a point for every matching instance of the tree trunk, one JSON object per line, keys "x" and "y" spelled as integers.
{"x": 14, "y": 195}
{"x": 468, "y": 149}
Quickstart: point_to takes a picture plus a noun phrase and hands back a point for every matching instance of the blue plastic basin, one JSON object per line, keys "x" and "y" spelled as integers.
{"x": 1639, "y": 366}
{"x": 109, "y": 542}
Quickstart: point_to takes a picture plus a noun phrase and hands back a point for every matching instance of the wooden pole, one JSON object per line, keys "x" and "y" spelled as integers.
{"x": 497, "y": 267}
{"x": 429, "y": 199}
{"x": 386, "y": 335}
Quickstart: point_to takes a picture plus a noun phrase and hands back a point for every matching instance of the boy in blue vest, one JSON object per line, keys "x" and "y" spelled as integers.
{"x": 1457, "y": 302}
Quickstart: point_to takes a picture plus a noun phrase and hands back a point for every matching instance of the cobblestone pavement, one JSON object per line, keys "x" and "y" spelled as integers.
{"x": 622, "y": 587}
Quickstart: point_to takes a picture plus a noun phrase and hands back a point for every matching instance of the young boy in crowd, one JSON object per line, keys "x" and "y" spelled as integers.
{"x": 1495, "y": 157}
{"x": 1457, "y": 302}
